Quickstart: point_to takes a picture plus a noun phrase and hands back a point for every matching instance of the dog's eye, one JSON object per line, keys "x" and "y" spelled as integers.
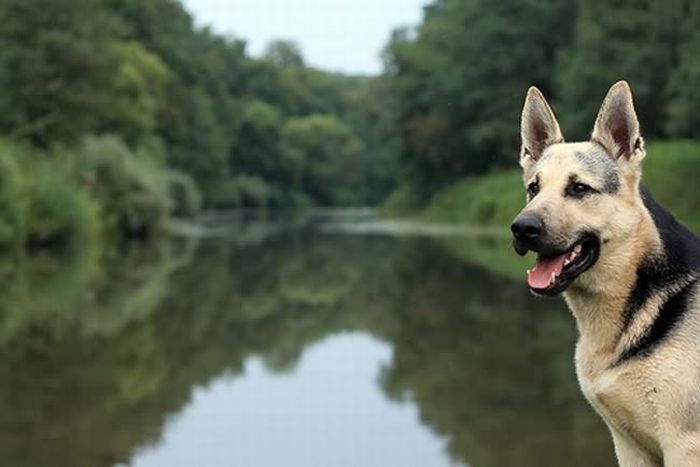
{"x": 580, "y": 188}
{"x": 533, "y": 188}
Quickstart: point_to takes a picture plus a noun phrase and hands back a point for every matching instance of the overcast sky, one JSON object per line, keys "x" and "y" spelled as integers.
{"x": 338, "y": 35}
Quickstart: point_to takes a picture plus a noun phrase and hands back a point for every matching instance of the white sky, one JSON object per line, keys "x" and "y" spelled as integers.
{"x": 338, "y": 35}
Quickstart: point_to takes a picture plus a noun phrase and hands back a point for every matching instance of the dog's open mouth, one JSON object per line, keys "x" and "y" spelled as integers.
{"x": 553, "y": 273}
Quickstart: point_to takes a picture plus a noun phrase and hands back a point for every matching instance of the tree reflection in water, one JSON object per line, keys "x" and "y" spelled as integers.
{"x": 97, "y": 353}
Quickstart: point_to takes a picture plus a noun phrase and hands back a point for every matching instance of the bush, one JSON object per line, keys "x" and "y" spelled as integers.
{"x": 133, "y": 191}
{"x": 490, "y": 200}
{"x": 403, "y": 200}
{"x": 63, "y": 196}
{"x": 185, "y": 197}
{"x": 12, "y": 202}
{"x": 58, "y": 210}
{"x": 251, "y": 191}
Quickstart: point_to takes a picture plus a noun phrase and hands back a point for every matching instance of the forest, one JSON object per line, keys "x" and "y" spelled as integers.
{"x": 118, "y": 115}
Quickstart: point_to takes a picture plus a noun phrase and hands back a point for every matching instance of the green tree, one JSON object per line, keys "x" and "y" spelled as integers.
{"x": 459, "y": 81}
{"x": 207, "y": 75}
{"x": 54, "y": 67}
{"x": 284, "y": 54}
{"x": 370, "y": 112}
{"x": 635, "y": 40}
{"x": 195, "y": 136}
{"x": 139, "y": 87}
{"x": 325, "y": 155}
{"x": 683, "y": 89}
{"x": 257, "y": 136}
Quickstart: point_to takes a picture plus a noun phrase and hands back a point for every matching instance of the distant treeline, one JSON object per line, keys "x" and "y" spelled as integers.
{"x": 460, "y": 78}
{"x": 136, "y": 78}
{"x": 134, "y": 112}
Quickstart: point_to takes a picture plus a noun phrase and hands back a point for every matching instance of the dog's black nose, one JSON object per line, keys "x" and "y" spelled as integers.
{"x": 527, "y": 227}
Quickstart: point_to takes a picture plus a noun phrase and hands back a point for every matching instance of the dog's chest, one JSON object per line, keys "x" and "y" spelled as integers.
{"x": 624, "y": 399}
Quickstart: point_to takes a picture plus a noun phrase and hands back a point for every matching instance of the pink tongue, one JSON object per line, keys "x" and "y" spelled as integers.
{"x": 541, "y": 275}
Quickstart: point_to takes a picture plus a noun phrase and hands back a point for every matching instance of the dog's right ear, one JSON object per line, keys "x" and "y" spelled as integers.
{"x": 538, "y": 128}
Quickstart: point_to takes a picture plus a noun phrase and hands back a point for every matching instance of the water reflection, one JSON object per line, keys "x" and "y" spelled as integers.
{"x": 108, "y": 361}
{"x": 327, "y": 413}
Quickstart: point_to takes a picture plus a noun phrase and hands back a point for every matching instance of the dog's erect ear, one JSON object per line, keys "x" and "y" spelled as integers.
{"x": 617, "y": 127}
{"x": 538, "y": 128}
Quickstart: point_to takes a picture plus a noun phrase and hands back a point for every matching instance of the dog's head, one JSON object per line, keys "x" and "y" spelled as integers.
{"x": 582, "y": 198}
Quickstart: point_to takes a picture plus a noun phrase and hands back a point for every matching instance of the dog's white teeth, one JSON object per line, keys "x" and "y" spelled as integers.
{"x": 566, "y": 262}
{"x": 554, "y": 277}
{"x": 529, "y": 271}
{"x": 577, "y": 249}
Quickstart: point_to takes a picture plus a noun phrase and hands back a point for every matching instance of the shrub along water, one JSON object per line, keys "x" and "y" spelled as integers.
{"x": 101, "y": 188}
{"x": 57, "y": 210}
{"x": 13, "y": 206}
{"x": 131, "y": 188}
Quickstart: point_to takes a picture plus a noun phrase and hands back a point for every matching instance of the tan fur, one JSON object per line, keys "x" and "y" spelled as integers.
{"x": 652, "y": 404}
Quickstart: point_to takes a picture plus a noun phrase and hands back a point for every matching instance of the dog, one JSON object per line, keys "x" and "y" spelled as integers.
{"x": 629, "y": 272}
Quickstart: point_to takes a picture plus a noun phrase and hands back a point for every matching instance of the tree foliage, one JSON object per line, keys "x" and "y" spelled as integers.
{"x": 459, "y": 78}
{"x": 633, "y": 41}
{"x": 180, "y": 98}
{"x": 54, "y": 66}
{"x": 324, "y": 157}
{"x": 273, "y": 131}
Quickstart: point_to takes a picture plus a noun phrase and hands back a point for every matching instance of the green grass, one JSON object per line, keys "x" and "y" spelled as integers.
{"x": 490, "y": 200}
{"x": 671, "y": 170}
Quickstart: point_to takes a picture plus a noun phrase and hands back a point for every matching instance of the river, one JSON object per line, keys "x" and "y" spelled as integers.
{"x": 284, "y": 343}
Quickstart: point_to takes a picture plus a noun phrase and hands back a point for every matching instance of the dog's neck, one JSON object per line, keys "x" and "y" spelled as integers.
{"x": 598, "y": 300}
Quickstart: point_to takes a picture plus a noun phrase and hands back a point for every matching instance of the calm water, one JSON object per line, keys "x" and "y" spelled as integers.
{"x": 285, "y": 345}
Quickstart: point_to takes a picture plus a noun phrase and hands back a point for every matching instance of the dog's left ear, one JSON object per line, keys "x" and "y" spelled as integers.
{"x": 617, "y": 126}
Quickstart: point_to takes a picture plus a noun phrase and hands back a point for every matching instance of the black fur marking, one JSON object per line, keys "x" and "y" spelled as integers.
{"x": 679, "y": 262}
{"x": 647, "y": 277}
{"x": 669, "y": 315}
{"x": 681, "y": 246}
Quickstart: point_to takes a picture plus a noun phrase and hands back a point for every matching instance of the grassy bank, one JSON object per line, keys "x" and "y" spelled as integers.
{"x": 670, "y": 172}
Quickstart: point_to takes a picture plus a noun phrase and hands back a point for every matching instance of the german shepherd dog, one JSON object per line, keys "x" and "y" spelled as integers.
{"x": 628, "y": 271}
